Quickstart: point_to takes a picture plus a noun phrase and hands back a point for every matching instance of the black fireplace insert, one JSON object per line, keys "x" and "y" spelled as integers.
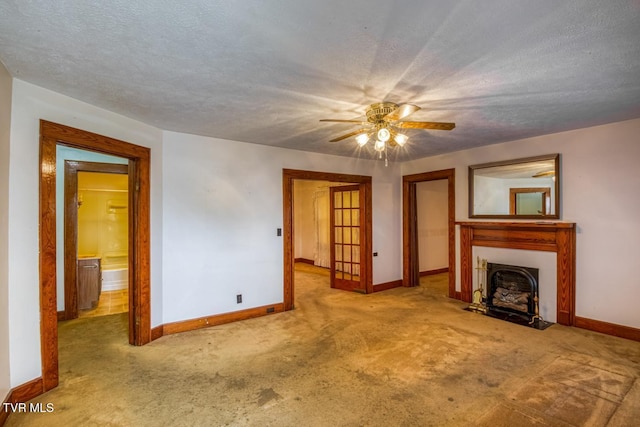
{"x": 512, "y": 290}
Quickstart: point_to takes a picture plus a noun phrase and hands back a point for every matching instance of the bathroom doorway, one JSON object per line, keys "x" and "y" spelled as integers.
{"x": 96, "y": 235}
{"x": 139, "y": 162}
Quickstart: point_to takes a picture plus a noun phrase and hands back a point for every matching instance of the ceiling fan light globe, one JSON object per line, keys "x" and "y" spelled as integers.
{"x": 384, "y": 134}
{"x": 379, "y": 145}
{"x": 362, "y": 139}
{"x": 401, "y": 139}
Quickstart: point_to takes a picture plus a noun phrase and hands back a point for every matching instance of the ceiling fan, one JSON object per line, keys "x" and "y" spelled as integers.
{"x": 544, "y": 174}
{"x": 384, "y": 120}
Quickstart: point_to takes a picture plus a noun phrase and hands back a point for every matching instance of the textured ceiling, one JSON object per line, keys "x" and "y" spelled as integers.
{"x": 266, "y": 71}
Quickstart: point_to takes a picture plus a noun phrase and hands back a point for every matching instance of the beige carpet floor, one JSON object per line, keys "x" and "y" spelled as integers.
{"x": 403, "y": 357}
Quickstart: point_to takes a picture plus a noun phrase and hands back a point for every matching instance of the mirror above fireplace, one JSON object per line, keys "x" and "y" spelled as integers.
{"x": 527, "y": 188}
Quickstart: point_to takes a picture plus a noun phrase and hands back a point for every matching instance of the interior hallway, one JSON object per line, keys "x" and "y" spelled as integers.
{"x": 407, "y": 356}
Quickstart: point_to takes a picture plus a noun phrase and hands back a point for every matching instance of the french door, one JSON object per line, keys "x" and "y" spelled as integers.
{"x": 346, "y": 232}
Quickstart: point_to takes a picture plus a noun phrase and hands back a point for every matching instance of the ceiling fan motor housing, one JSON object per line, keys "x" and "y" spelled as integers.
{"x": 377, "y": 112}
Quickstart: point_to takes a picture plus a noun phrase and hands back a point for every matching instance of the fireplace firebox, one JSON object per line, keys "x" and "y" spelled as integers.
{"x": 512, "y": 294}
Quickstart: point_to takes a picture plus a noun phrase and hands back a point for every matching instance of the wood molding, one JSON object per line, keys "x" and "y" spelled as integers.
{"x": 410, "y": 268}
{"x": 434, "y": 272}
{"x": 608, "y": 328}
{"x": 366, "y": 215}
{"x": 558, "y": 237}
{"x": 62, "y": 315}
{"x": 26, "y": 391}
{"x": 304, "y": 261}
{"x": 52, "y": 134}
{"x": 220, "y": 319}
{"x": 157, "y": 332}
{"x": 466, "y": 265}
{"x": 21, "y": 394}
{"x": 48, "y": 304}
{"x": 386, "y": 286}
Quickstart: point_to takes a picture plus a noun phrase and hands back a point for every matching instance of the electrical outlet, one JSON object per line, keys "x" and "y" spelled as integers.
{"x": 375, "y": 254}
{"x": 239, "y": 298}
{"x": 279, "y": 232}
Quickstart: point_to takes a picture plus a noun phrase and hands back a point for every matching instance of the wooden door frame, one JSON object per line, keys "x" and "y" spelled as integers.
{"x": 71, "y": 169}
{"x": 288, "y": 176}
{"x": 410, "y": 267}
{"x": 52, "y": 134}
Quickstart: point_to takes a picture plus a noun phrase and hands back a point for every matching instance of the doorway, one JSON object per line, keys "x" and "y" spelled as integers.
{"x": 364, "y": 186}
{"x": 410, "y": 247}
{"x": 433, "y": 242}
{"x": 51, "y": 135}
{"x": 95, "y": 254}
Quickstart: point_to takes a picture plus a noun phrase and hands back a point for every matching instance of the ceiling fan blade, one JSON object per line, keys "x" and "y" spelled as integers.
{"x": 341, "y": 121}
{"x": 544, "y": 174}
{"x": 402, "y": 111}
{"x": 345, "y": 136}
{"x": 425, "y": 125}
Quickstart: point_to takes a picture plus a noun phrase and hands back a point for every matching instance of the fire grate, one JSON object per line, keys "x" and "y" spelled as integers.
{"x": 512, "y": 295}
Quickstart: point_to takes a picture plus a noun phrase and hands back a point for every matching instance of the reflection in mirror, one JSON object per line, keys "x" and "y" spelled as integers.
{"x": 530, "y": 201}
{"x": 520, "y": 188}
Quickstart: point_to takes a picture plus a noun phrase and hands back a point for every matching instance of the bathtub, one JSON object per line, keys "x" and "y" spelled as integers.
{"x": 114, "y": 279}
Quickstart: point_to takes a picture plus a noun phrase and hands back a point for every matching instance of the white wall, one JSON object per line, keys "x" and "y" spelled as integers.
{"x": 222, "y": 206}
{"x": 600, "y": 183}
{"x": 432, "y": 201}
{"x": 30, "y": 104}
{"x": 5, "y": 125}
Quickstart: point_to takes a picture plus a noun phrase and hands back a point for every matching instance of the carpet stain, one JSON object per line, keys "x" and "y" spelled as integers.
{"x": 267, "y": 395}
{"x": 236, "y": 384}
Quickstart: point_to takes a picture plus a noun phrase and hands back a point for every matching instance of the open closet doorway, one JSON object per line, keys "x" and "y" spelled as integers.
{"x": 53, "y": 135}
{"x": 363, "y": 189}
{"x": 433, "y": 232}
{"x": 410, "y": 227}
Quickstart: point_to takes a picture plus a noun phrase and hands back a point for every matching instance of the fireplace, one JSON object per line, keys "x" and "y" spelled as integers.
{"x": 513, "y": 294}
{"x": 556, "y": 237}
{"x": 512, "y": 289}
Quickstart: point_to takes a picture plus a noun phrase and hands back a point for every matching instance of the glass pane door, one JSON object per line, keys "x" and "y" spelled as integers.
{"x": 345, "y": 237}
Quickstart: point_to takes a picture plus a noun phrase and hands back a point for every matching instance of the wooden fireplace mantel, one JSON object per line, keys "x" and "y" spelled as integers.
{"x": 558, "y": 237}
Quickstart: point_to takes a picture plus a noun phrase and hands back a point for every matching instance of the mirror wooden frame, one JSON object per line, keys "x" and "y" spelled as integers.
{"x": 556, "y": 187}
